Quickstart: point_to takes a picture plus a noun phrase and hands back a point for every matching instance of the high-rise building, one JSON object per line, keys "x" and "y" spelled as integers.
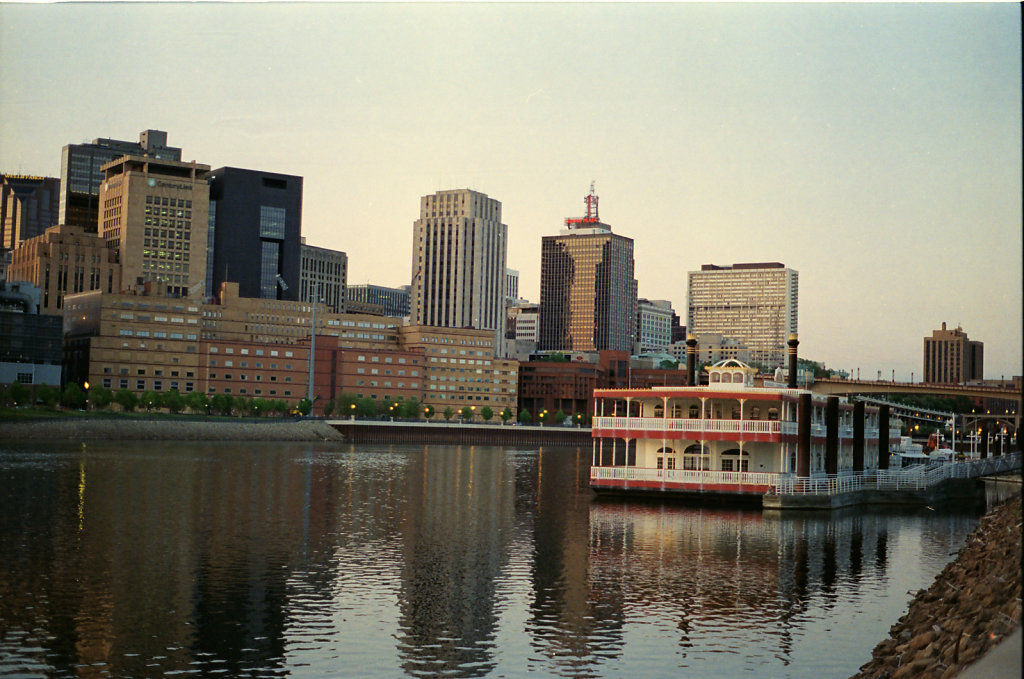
{"x": 65, "y": 260}
{"x": 458, "y": 263}
{"x": 28, "y": 206}
{"x": 81, "y": 173}
{"x": 324, "y": 274}
{"x": 255, "y": 233}
{"x": 587, "y": 287}
{"x": 653, "y": 325}
{"x": 154, "y": 213}
{"x": 30, "y": 342}
{"x": 951, "y": 358}
{"x": 755, "y": 304}
{"x": 378, "y": 300}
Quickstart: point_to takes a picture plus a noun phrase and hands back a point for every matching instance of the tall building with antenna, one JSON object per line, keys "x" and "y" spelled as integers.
{"x": 458, "y": 263}
{"x": 587, "y": 286}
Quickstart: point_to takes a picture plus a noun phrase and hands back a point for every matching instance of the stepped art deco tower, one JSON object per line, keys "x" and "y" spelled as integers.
{"x": 587, "y": 287}
{"x": 458, "y": 263}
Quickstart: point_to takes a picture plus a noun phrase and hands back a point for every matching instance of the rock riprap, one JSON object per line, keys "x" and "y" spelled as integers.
{"x": 974, "y": 603}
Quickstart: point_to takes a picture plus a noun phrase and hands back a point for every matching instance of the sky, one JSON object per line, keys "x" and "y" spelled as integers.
{"x": 875, "y": 148}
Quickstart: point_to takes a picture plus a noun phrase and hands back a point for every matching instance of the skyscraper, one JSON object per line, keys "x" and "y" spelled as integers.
{"x": 753, "y": 303}
{"x": 587, "y": 287}
{"x": 154, "y": 213}
{"x": 81, "y": 173}
{"x": 255, "y": 233}
{"x": 951, "y": 358}
{"x": 458, "y": 263}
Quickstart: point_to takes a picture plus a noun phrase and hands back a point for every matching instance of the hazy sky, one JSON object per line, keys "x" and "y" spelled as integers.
{"x": 874, "y": 148}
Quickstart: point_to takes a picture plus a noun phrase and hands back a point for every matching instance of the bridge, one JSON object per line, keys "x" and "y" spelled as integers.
{"x": 1006, "y": 391}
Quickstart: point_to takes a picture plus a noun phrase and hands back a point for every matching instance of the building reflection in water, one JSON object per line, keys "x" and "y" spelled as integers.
{"x": 256, "y": 559}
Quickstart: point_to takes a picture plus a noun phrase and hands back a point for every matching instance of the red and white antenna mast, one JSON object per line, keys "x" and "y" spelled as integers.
{"x": 591, "y": 201}
{"x": 591, "y": 218}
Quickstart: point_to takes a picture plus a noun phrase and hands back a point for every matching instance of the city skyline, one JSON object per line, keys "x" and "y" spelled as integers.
{"x": 874, "y": 148}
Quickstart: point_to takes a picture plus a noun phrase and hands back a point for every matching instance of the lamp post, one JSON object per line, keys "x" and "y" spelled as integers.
{"x": 86, "y": 385}
{"x": 352, "y": 409}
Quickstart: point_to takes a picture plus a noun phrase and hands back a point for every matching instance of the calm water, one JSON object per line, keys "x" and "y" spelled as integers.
{"x": 322, "y": 560}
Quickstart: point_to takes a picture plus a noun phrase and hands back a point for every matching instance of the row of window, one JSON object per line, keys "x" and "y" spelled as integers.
{"x": 156, "y": 385}
{"x": 168, "y": 202}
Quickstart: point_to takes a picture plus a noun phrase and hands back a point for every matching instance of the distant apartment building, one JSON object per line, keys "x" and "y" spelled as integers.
{"x": 458, "y": 263}
{"x": 712, "y": 349}
{"x": 523, "y": 319}
{"x": 81, "y": 173}
{"x": 154, "y": 213}
{"x": 653, "y": 325}
{"x": 28, "y": 206}
{"x": 587, "y": 287}
{"x": 30, "y": 342}
{"x": 65, "y": 260}
{"x": 951, "y": 358}
{"x": 254, "y": 235}
{"x": 755, "y": 304}
{"x": 378, "y": 300}
{"x": 323, "y": 275}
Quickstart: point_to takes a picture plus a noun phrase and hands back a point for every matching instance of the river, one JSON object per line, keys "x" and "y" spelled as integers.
{"x": 330, "y": 560}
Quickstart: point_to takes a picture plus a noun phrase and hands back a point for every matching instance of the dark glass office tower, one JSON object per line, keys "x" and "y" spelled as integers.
{"x": 254, "y": 233}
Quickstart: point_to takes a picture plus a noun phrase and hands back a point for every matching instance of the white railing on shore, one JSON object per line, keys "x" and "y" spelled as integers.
{"x": 911, "y": 478}
{"x": 690, "y": 476}
{"x": 709, "y": 425}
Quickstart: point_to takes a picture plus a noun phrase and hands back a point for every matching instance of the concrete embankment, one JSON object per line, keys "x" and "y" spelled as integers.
{"x": 95, "y": 429}
{"x": 973, "y": 605}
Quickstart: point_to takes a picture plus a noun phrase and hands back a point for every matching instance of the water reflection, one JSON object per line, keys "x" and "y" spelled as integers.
{"x": 327, "y": 560}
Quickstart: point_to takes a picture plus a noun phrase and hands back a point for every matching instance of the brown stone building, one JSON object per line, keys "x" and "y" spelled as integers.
{"x": 951, "y": 358}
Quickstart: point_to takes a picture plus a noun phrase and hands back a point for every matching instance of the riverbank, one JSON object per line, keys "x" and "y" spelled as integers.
{"x": 973, "y": 605}
{"x": 95, "y": 429}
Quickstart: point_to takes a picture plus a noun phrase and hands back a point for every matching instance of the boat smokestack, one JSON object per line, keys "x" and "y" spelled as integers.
{"x": 691, "y": 361}
{"x": 792, "y": 343}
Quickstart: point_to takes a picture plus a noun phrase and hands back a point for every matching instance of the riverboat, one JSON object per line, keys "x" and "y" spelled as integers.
{"x": 731, "y": 438}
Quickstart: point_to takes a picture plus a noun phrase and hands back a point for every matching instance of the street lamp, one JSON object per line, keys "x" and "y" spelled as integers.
{"x": 353, "y": 410}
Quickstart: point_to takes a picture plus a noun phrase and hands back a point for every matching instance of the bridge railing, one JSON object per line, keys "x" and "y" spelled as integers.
{"x": 911, "y": 478}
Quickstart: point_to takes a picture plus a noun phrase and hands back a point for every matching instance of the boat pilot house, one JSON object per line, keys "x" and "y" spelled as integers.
{"x": 730, "y": 437}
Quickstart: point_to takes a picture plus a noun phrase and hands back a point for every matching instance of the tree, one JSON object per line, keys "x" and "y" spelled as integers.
{"x": 19, "y": 393}
{"x": 466, "y": 413}
{"x": 126, "y": 399}
{"x": 486, "y": 413}
{"x": 100, "y": 397}
{"x": 543, "y": 416}
{"x": 278, "y": 406}
{"x": 174, "y": 401}
{"x": 329, "y": 408}
{"x": 506, "y": 415}
{"x": 73, "y": 396}
{"x": 366, "y": 407}
{"x": 149, "y": 400}
{"x": 304, "y": 407}
{"x": 410, "y": 408}
{"x": 222, "y": 403}
{"x": 448, "y": 413}
{"x": 525, "y": 416}
{"x": 668, "y": 364}
{"x": 197, "y": 401}
{"x": 428, "y": 412}
{"x": 560, "y": 417}
{"x": 48, "y": 395}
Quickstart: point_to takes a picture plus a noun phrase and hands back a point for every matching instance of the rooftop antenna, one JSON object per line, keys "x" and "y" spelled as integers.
{"x": 591, "y": 201}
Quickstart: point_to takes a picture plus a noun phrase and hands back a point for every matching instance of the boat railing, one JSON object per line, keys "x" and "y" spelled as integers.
{"x": 709, "y": 425}
{"x": 910, "y": 478}
{"x": 688, "y": 476}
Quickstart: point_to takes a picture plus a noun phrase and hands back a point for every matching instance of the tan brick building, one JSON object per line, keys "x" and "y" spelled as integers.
{"x": 65, "y": 260}
{"x": 154, "y": 213}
